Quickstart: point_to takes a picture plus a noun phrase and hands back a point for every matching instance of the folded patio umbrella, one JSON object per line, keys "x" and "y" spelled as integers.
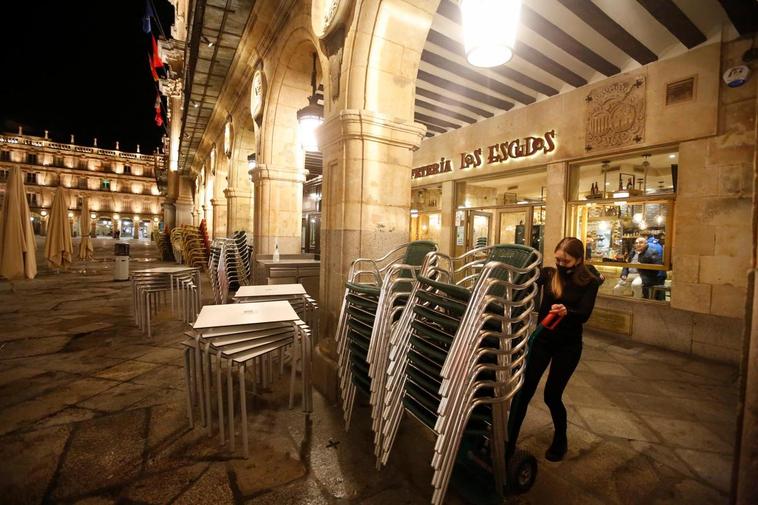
{"x": 85, "y": 246}
{"x": 58, "y": 247}
{"x": 17, "y": 247}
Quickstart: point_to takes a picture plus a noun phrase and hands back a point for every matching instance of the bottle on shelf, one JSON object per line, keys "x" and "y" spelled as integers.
{"x": 276, "y": 250}
{"x": 629, "y": 184}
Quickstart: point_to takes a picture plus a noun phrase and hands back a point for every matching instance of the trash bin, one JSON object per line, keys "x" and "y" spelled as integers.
{"x": 121, "y": 267}
{"x": 121, "y": 249}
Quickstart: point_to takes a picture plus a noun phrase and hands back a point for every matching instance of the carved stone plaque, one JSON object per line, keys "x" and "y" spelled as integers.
{"x": 257, "y": 94}
{"x": 327, "y": 15}
{"x": 616, "y": 114}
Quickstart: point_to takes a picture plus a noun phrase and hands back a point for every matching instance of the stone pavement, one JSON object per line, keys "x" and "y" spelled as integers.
{"x": 93, "y": 412}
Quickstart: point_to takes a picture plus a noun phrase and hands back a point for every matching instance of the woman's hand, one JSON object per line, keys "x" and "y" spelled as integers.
{"x": 559, "y": 308}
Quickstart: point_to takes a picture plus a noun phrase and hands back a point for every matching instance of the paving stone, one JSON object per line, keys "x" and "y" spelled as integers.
{"x": 28, "y": 388}
{"x": 395, "y": 496}
{"x": 616, "y": 423}
{"x": 605, "y": 367}
{"x": 302, "y": 492}
{"x": 163, "y": 355}
{"x": 29, "y": 461}
{"x": 68, "y": 415}
{"x": 160, "y": 488}
{"x": 714, "y": 468}
{"x": 17, "y": 373}
{"x": 118, "y": 397}
{"x": 691, "y": 492}
{"x": 213, "y": 485}
{"x": 126, "y": 370}
{"x": 167, "y": 376}
{"x": 97, "y": 459}
{"x": 25, "y": 414}
{"x": 687, "y": 434}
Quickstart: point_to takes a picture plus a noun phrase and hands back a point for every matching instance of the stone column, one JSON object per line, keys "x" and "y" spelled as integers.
{"x": 219, "y": 217}
{"x": 169, "y": 215}
{"x": 239, "y": 211}
{"x": 447, "y": 206}
{"x": 183, "y": 203}
{"x": 555, "y": 209}
{"x": 278, "y": 209}
{"x": 366, "y": 196}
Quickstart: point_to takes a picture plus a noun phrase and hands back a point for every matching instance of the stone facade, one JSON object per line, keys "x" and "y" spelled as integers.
{"x": 711, "y": 244}
{"x": 120, "y": 186}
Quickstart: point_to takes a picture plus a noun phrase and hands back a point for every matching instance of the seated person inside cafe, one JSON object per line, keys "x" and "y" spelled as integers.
{"x": 646, "y": 251}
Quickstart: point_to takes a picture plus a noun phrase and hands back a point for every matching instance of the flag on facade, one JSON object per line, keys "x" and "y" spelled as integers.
{"x": 158, "y": 113}
{"x": 152, "y": 69}
{"x": 149, "y": 12}
{"x": 156, "y": 58}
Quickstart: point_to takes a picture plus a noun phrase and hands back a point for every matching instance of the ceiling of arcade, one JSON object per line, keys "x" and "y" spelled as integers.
{"x": 561, "y": 45}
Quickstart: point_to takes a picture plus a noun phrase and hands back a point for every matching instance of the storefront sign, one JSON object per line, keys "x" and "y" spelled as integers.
{"x": 495, "y": 153}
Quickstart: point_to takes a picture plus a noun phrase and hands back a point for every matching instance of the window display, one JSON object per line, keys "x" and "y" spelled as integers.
{"x": 622, "y": 210}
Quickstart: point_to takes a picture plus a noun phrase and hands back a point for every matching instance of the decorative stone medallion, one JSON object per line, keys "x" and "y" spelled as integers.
{"x": 615, "y": 114}
{"x": 328, "y": 15}
{"x": 257, "y": 94}
{"x": 213, "y": 160}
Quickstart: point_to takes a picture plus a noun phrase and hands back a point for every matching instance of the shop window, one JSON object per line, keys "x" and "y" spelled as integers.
{"x": 105, "y": 184}
{"x": 502, "y": 210}
{"x": 622, "y": 210}
{"x": 426, "y": 215}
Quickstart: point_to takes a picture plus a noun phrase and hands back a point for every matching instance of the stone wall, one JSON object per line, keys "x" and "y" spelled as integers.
{"x": 713, "y": 242}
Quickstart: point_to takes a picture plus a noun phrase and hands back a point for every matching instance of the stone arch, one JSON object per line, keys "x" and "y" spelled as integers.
{"x": 280, "y": 173}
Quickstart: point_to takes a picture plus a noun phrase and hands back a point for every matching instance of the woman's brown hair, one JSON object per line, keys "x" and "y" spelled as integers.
{"x": 581, "y": 276}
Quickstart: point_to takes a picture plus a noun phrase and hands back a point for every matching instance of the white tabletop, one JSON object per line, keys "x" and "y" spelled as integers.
{"x": 165, "y": 270}
{"x": 215, "y": 316}
{"x": 270, "y": 290}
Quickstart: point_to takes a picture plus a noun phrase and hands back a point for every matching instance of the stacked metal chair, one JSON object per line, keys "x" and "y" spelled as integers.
{"x": 457, "y": 356}
{"x": 375, "y": 294}
{"x": 226, "y": 268}
{"x": 149, "y": 290}
{"x": 188, "y": 246}
{"x": 245, "y": 251}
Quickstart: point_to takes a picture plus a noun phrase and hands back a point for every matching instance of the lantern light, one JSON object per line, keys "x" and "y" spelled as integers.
{"x": 489, "y": 30}
{"x": 252, "y": 161}
{"x": 93, "y": 215}
{"x": 310, "y": 117}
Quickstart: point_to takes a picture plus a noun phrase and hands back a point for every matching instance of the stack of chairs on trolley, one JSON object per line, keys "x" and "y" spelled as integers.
{"x": 189, "y": 246}
{"x": 443, "y": 339}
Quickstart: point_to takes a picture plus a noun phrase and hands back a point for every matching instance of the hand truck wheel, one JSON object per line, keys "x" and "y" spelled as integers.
{"x": 522, "y": 472}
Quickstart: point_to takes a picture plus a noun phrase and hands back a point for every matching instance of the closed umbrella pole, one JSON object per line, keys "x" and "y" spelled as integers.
{"x": 58, "y": 247}
{"x": 85, "y": 246}
{"x": 17, "y": 247}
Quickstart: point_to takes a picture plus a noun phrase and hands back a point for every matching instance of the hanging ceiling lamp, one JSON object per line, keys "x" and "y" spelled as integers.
{"x": 489, "y": 30}
{"x": 310, "y": 117}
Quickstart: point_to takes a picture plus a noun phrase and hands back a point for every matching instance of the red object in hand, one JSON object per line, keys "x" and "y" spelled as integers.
{"x": 551, "y": 320}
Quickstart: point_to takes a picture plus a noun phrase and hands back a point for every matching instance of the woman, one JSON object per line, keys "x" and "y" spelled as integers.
{"x": 570, "y": 290}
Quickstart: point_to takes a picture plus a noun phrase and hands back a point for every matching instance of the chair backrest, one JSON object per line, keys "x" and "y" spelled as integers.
{"x": 415, "y": 254}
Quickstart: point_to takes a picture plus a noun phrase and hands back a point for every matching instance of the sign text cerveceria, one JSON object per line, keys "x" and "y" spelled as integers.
{"x": 495, "y": 153}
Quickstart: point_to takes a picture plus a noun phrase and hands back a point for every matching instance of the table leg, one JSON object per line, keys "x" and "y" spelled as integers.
{"x": 243, "y": 409}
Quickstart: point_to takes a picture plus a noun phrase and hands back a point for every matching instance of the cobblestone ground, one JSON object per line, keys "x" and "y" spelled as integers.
{"x": 91, "y": 411}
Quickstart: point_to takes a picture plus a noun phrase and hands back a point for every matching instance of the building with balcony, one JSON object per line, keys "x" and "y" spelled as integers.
{"x": 121, "y": 187}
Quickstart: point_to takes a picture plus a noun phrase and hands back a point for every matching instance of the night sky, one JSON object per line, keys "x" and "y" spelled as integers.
{"x": 80, "y": 66}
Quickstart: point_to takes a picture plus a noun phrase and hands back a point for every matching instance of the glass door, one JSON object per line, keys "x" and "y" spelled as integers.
{"x": 513, "y": 227}
{"x": 480, "y": 229}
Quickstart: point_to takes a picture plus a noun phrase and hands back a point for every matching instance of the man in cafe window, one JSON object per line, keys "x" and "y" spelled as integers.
{"x": 644, "y": 279}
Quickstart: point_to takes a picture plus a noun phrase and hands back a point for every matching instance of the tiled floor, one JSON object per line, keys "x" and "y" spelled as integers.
{"x": 93, "y": 412}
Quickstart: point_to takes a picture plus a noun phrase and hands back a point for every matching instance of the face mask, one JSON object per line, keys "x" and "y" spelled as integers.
{"x": 565, "y": 270}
